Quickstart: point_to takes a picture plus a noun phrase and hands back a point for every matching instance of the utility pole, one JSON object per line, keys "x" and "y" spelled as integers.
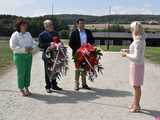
{"x": 52, "y": 7}
{"x": 109, "y": 18}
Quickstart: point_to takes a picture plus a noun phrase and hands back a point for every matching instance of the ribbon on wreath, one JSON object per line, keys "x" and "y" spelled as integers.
{"x": 88, "y": 58}
{"x": 58, "y": 59}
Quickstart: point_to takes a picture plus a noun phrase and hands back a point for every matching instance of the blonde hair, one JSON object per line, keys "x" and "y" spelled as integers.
{"x": 137, "y": 29}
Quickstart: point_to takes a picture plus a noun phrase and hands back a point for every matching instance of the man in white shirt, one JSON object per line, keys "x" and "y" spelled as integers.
{"x": 79, "y": 37}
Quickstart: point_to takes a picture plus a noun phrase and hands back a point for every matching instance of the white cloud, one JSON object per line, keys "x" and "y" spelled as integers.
{"x": 134, "y": 10}
{"x": 23, "y": 7}
{"x": 32, "y": 8}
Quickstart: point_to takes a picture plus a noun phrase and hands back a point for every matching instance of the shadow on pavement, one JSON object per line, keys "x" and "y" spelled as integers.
{"x": 152, "y": 113}
{"x": 9, "y": 91}
{"x": 81, "y": 96}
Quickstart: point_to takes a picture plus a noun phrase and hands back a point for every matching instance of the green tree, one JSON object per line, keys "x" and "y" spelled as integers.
{"x": 64, "y": 34}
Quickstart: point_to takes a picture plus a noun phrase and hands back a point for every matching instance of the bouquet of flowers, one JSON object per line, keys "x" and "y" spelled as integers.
{"x": 87, "y": 58}
{"x": 57, "y": 59}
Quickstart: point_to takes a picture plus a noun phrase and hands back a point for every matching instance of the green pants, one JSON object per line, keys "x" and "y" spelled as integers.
{"x": 23, "y": 64}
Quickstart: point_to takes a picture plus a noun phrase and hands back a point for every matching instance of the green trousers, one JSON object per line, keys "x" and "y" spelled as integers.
{"x": 23, "y": 64}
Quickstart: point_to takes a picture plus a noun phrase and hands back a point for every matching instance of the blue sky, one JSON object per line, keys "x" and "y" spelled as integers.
{"x": 88, "y": 7}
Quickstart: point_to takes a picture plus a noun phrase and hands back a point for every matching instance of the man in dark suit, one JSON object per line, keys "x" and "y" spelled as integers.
{"x": 45, "y": 39}
{"x": 79, "y": 37}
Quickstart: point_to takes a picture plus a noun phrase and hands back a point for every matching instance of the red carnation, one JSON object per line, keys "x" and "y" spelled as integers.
{"x": 56, "y": 39}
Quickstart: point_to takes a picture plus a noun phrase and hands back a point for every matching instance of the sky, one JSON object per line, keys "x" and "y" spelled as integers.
{"x": 86, "y": 7}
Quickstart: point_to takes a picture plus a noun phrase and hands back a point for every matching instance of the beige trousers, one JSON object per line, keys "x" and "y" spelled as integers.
{"x": 79, "y": 74}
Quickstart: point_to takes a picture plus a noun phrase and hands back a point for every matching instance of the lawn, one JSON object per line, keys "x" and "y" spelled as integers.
{"x": 113, "y": 48}
{"x": 151, "y": 53}
{"x": 5, "y": 54}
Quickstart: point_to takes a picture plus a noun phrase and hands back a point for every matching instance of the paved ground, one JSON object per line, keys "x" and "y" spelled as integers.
{"x": 109, "y": 99}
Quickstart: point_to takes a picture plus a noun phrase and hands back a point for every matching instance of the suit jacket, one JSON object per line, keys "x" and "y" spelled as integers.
{"x": 75, "y": 42}
{"x": 45, "y": 39}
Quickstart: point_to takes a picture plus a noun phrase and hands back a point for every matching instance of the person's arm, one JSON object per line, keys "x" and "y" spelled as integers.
{"x": 42, "y": 44}
{"x": 71, "y": 41}
{"x": 92, "y": 39}
{"x": 32, "y": 40}
{"x": 30, "y": 48}
{"x": 137, "y": 53}
{"x": 14, "y": 45}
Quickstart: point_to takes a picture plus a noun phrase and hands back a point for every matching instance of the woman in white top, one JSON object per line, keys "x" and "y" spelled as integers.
{"x": 136, "y": 55}
{"x": 21, "y": 43}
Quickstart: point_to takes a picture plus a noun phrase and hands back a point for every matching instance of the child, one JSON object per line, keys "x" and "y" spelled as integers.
{"x": 136, "y": 55}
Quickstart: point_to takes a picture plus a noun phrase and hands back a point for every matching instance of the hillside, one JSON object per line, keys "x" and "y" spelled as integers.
{"x": 62, "y": 21}
{"x": 122, "y": 19}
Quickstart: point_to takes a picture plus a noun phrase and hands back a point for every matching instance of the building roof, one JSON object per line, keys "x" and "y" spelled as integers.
{"x": 123, "y": 35}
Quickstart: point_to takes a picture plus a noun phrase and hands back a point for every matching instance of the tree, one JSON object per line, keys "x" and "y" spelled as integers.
{"x": 7, "y": 24}
{"x": 64, "y": 34}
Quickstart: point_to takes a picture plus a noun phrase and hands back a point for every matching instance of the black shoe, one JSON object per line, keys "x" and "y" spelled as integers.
{"x": 57, "y": 88}
{"x": 86, "y": 87}
{"x": 76, "y": 89}
{"x": 48, "y": 90}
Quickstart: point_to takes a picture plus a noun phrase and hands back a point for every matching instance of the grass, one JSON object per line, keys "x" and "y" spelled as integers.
{"x": 113, "y": 48}
{"x": 5, "y": 55}
{"x": 151, "y": 53}
{"x": 65, "y": 42}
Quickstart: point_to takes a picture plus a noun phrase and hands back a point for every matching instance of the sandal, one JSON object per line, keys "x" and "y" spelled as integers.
{"x": 130, "y": 107}
{"x": 28, "y": 92}
{"x": 135, "y": 109}
{"x": 23, "y": 93}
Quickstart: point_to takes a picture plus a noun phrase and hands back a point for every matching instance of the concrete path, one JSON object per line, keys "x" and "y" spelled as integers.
{"x": 108, "y": 100}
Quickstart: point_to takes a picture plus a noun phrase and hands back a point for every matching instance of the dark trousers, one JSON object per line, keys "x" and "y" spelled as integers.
{"x": 49, "y": 83}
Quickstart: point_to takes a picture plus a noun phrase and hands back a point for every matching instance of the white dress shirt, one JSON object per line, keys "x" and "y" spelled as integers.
{"x": 83, "y": 37}
{"x": 137, "y": 49}
{"x": 19, "y": 41}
